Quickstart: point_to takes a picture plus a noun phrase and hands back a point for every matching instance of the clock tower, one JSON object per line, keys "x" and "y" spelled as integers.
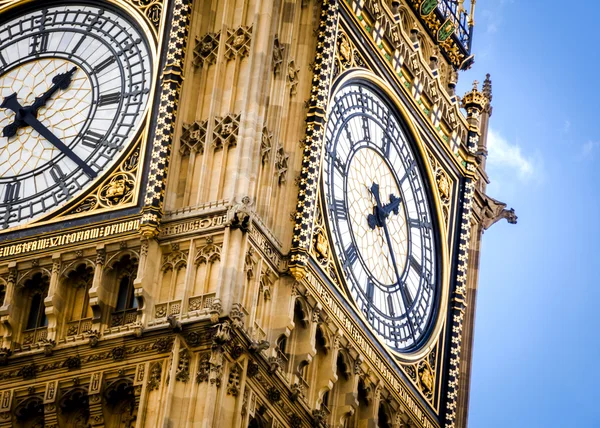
{"x": 239, "y": 213}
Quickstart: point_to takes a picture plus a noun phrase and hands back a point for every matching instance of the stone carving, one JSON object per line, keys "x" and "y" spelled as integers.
{"x": 278, "y": 51}
{"x": 193, "y": 138}
{"x": 293, "y": 77}
{"x": 182, "y": 374}
{"x": 203, "y": 368}
{"x": 233, "y": 384}
{"x": 494, "y": 211}
{"x": 266, "y": 144}
{"x": 206, "y": 49}
{"x": 72, "y": 363}
{"x": 225, "y": 131}
{"x": 273, "y": 394}
{"x": 238, "y": 42}
{"x": 281, "y": 165}
{"x": 256, "y": 347}
{"x": 239, "y": 215}
{"x": 119, "y": 353}
{"x": 154, "y": 377}
{"x": 163, "y": 344}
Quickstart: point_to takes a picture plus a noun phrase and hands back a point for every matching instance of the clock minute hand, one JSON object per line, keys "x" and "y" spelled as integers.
{"x": 405, "y": 299}
{"x": 32, "y": 121}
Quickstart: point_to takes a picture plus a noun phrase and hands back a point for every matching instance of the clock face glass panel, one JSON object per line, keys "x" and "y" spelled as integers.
{"x": 379, "y": 216}
{"x": 74, "y": 88}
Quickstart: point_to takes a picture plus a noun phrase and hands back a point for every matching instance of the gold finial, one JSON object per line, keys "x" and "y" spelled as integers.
{"x": 474, "y": 99}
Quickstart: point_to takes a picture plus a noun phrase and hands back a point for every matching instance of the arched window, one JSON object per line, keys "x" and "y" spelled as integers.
{"x": 383, "y": 420}
{"x": 126, "y": 305}
{"x": 36, "y": 321}
{"x": 320, "y": 342}
{"x": 280, "y": 349}
{"x": 79, "y": 316}
{"x": 126, "y": 308}
{"x": 37, "y": 313}
{"x": 303, "y": 374}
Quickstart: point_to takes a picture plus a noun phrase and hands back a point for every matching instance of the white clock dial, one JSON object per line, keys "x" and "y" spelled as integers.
{"x": 379, "y": 215}
{"x": 74, "y": 88}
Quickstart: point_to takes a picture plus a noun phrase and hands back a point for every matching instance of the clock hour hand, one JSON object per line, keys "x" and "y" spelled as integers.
{"x": 31, "y": 120}
{"x": 11, "y": 103}
{"x": 61, "y": 81}
{"x": 380, "y": 211}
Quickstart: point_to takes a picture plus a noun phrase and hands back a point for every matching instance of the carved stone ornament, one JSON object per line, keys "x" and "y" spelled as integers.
{"x": 281, "y": 165}
{"x": 494, "y": 211}
{"x": 163, "y": 344}
{"x": 116, "y": 190}
{"x": 193, "y": 138}
{"x": 238, "y": 42}
{"x": 273, "y": 394}
{"x": 233, "y": 383}
{"x": 252, "y": 368}
{"x": 240, "y": 214}
{"x": 154, "y": 377}
{"x": 203, "y": 368}
{"x": 182, "y": 374}
{"x": 266, "y": 144}
{"x": 152, "y": 11}
{"x": 426, "y": 379}
{"x": 225, "y": 131}
{"x": 119, "y": 353}
{"x": 278, "y": 51}
{"x": 72, "y": 363}
{"x": 293, "y": 77}
{"x": 206, "y": 49}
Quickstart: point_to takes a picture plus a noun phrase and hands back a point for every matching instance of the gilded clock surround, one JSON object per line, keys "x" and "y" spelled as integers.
{"x": 120, "y": 187}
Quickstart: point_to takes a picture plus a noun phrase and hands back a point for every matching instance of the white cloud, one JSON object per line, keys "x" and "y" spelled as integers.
{"x": 567, "y": 126}
{"x": 507, "y": 157}
{"x": 588, "y": 149}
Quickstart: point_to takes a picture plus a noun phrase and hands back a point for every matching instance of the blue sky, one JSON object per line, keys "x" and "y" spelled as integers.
{"x": 537, "y": 334}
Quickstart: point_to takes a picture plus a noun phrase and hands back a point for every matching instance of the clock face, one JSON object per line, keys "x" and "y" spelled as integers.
{"x": 379, "y": 216}
{"x": 74, "y": 86}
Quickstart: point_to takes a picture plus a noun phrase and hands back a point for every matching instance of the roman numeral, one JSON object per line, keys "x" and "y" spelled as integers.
{"x": 409, "y": 298}
{"x": 351, "y": 255}
{"x": 386, "y": 144}
{"x": 92, "y": 139}
{"x": 370, "y": 290}
{"x": 339, "y": 165}
{"x": 59, "y": 178}
{"x": 104, "y": 64}
{"x": 12, "y": 192}
{"x": 416, "y": 266}
{"x": 77, "y": 46}
{"x": 106, "y": 99}
{"x": 39, "y": 43}
{"x": 419, "y": 224}
{"x": 366, "y": 128}
{"x": 390, "y": 305}
{"x": 409, "y": 171}
{"x": 339, "y": 209}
